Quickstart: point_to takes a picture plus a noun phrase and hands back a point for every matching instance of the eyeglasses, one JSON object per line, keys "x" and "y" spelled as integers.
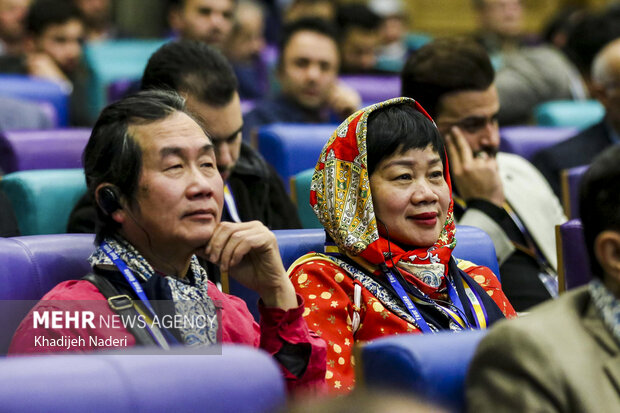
{"x": 471, "y": 124}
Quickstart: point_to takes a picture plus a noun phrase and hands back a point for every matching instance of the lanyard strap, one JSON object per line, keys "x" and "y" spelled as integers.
{"x": 135, "y": 285}
{"x": 229, "y": 200}
{"x": 531, "y": 249}
{"x": 413, "y": 310}
{"x": 475, "y": 303}
{"x": 458, "y": 316}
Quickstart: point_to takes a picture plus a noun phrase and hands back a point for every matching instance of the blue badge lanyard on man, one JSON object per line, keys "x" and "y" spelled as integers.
{"x": 163, "y": 340}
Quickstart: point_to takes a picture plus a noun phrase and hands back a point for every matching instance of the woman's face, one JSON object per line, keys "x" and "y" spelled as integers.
{"x": 411, "y": 197}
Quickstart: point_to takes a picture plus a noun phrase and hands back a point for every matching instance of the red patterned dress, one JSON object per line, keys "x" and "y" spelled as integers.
{"x": 328, "y": 291}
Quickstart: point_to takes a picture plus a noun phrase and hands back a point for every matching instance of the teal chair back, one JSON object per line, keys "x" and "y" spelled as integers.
{"x": 114, "y": 60}
{"x": 577, "y": 113}
{"x": 43, "y": 199}
{"x": 300, "y": 192}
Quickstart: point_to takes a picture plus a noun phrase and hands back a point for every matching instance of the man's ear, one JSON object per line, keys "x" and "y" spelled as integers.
{"x": 607, "y": 251}
{"x": 111, "y": 202}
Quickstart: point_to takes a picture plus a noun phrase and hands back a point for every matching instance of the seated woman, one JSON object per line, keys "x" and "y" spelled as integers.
{"x": 382, "y": 191}
{"x": 152, "y": 171}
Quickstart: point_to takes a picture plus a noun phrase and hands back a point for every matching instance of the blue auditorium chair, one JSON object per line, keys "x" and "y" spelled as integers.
{"x": 37, "y": 90}
{"x": 300, "y": 194}
{"x": 473, "y": 245}
{"x": 430, "y": 366}
{"x": 42, "y": 149}
{"x": 577, "y": 113}
{"x": 527, "y": 140}
{"x": 293, "y": 147}
{"x": 240, "y": 379}
{"x": 570, "y": 179}
{"x": 30, "y": 266}
{"x": 43, "y": 199}
{"x": 573, "y": 263}
{"x": 373, "y": 88}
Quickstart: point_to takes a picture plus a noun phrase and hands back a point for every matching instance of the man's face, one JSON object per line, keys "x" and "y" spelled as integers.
{"x": 12, "y": 13}
{"x": 208, "y": 21}
{"x": 247, "y": 40}
{"x": 504, "y": 17}
{"x": 180, "y": 193}
{"x": 475, "y": 114}
{"x": 358, "y": 50}
{"x": 95, "y": 12}
{"x": 223, "y": 124}
{"x": 63, "y": 43}
{"x": 309, "y": 68}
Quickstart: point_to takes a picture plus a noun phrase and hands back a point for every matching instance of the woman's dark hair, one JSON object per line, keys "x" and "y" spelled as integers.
{"x": 599, "y": 201}
{"x": 398, "y": 128}
{"x": 113, "y": 156}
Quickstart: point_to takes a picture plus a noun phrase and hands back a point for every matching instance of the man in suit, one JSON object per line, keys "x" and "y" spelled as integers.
{"x": 501, "y": 193}
{"x": 565, "y": 355}
{"x": 582, "y": 148}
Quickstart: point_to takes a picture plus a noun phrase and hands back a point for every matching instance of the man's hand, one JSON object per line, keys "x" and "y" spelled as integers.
{"x": 42, "y": 65}
{"x": 249, "y": 252}
{"x": 343, "y": 100}
{"x": 474, "y": 176}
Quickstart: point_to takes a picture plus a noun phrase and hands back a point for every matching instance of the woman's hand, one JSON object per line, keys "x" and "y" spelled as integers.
{"x": 249, "y": 252}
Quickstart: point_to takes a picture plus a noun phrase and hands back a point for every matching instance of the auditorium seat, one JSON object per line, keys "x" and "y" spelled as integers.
{"x": 293, "y": 147}
{"x": 473, "y": 245}
{"x": 113, "y": 60}
{"x": 573, "y": 263}
{"x": 30, "y": 266}
{"x": 42, "y": 149}
{"x": 37, "y": 90}
{"x": 239, "y": 379}
{"x": 526, "y": 141}
{"x": 570, "y": 179}
{"x": 576, "y": 113}
{"x": 373, "y": 88}
{"x": 430, "y": 366}
{"x": 300, "y": 194}
{"x": 43, "y": 199}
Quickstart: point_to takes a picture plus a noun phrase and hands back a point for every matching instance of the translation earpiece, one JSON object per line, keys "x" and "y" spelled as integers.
{"x": 109, "y": 199}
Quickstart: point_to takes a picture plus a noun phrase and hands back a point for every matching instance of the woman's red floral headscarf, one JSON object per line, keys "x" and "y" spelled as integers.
{"x": 341, "y": 199}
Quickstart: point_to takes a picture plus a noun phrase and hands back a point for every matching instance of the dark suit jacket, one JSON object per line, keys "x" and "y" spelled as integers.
{"x": 576, "y": 151}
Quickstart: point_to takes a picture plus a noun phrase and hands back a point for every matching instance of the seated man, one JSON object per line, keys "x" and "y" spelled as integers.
{"x": 208, "y": 21}
{"x": 308, "y": 75}
{"x": 563, "y": 357}
{"x": 501, "y": 193}
{"x": 582, "y": 148}
{"x": 359, "y": 38}
{"x": 152, "y": 171}
{"x": 55, "y": 34}
{"x": 253, "y": 190}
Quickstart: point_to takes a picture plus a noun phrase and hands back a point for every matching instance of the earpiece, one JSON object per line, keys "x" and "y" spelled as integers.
{"x": 109, "y": 200}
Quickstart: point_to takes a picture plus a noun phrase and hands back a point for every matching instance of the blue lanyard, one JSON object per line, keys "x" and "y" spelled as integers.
{"x": 135, "y": 285}
{"x": 413, "y": 310}
{"x": 475, "y": 303}
{"x": 459, "y": 318}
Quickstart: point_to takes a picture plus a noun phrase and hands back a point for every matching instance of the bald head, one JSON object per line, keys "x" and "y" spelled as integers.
{"x": 606, "y": 64}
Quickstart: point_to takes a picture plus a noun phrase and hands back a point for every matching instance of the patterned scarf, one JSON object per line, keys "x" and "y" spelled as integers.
{"x": 608, "y": 305}
{"x": 189, "y": 300}
{"x": 341, "y": 199}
